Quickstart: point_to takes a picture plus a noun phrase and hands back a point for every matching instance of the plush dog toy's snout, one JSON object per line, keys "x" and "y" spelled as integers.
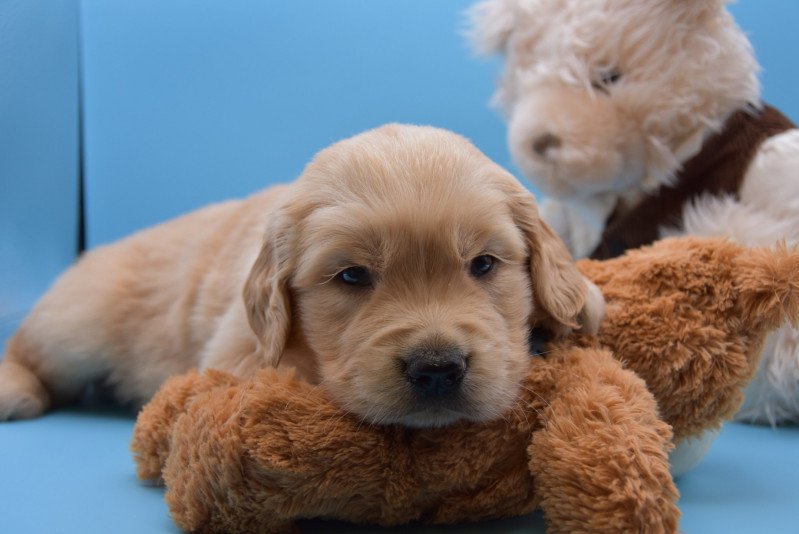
{"x": 545, "y": 143}
{"x": 436, "y": 373}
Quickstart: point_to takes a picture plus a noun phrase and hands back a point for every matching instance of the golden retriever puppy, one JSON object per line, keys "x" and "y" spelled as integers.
{"x": 401, "y": 272}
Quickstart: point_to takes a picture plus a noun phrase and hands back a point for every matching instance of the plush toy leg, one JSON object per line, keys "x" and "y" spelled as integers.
{"x": 690, "y": 451}
{"x": 153, "y": 431}
{"x": 601, "y": 463}
{"x": 773, "y": 396}
{"x": 717, "y": 320}
{"x": 212, "y": 470}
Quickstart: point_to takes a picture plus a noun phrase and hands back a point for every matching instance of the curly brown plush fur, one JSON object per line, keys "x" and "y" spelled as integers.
{"x": 587, "y": 440}
{"x": 689, "y": 316}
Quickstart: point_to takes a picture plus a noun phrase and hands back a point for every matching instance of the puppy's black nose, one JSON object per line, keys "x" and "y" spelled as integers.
{"x": 436, "y": 373}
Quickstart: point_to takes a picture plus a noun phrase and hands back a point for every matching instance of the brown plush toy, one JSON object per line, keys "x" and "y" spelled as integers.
{"x": 587, "y": 440}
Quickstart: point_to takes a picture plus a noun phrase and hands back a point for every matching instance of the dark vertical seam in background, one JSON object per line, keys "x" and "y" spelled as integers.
{"x": 81, "y": 222}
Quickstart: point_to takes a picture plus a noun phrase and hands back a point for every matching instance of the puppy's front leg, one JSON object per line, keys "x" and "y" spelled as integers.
{"x": 233, "y": 347}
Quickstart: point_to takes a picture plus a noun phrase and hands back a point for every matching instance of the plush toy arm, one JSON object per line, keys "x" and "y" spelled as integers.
{"x": 208, "y": 488}
{"x": 601, "y": 462}
{"x": 152, "y": 434}
{"x": 579, "y": 225}
{"x": 258, "y": 455}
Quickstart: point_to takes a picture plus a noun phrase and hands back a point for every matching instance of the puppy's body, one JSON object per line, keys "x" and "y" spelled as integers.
{"x": 365, "y": 282}
{"x": 157, "y": 303}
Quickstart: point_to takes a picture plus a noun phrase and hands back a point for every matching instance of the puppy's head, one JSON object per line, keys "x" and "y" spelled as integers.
{"x": 414, "y": 267}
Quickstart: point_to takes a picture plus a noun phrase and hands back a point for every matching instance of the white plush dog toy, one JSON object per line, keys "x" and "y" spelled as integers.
{"x": 639, "y": 118}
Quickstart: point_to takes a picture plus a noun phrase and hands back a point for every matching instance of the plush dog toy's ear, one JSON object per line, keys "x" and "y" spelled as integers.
{"x": 564, "y": 298}
{"x": 267, "y": 298}
{"x": 490, "y": 25}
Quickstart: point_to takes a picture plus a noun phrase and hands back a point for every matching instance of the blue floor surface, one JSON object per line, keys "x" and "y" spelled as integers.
{"x": 71, "y": 472}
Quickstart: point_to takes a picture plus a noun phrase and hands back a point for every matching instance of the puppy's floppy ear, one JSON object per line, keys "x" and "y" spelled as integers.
{"x": 267, "y": 297}
{"x": 564, "y": 298}
{"x": 490, "y": 25}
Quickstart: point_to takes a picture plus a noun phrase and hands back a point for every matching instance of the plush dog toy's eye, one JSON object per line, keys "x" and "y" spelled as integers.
{"x": 482, "y": 265}
{"x": 606, "y": 79}
{"x": 356, "y": 276}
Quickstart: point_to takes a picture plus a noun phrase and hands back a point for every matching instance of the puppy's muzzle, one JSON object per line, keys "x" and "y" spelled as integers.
{"x": 435, "y": 373}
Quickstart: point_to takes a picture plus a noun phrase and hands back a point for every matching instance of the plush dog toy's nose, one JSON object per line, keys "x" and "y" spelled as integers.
{"x": 546, "y": 142}
{"x": 436, "y": 373}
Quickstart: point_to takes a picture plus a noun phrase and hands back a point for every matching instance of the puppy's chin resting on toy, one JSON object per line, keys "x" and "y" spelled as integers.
{"x": 587, "y": 439}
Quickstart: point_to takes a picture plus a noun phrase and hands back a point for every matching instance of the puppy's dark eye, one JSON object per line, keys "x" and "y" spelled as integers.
{"x": 356, "y": 276}
{"x": 482, "y": 265}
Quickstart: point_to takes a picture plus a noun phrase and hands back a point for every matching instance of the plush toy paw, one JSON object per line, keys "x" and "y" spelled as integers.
{"x": 152, "y": 434}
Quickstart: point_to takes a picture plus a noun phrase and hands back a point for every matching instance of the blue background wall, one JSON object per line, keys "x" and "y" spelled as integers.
{"x": 192, "y": 101}
{"x": 772, "y": 27}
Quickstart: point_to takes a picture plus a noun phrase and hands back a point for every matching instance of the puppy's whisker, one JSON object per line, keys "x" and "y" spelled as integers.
{"x": 333, "y": 423}
{"x": 541, "y": 398}
{"x": 523, "y": 409}
{"x": 322, "y": 384}
{"x": 529, "y": 389}
{"x": 520, "y": 412}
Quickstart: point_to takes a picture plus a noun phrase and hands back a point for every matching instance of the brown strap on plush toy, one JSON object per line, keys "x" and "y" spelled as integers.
{"x": 718, "y": 169}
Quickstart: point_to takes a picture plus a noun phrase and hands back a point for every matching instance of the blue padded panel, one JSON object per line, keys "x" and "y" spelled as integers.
{"x": 191, "y": 101}
{"x": 38, "y": 150}
{"x": 748, "y": 483}
{"x": 70, "y": 472}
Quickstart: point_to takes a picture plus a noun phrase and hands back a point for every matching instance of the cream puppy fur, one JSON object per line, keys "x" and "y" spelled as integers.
{"x": 607, "y": 99}
{"x": 401, "y": 272}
